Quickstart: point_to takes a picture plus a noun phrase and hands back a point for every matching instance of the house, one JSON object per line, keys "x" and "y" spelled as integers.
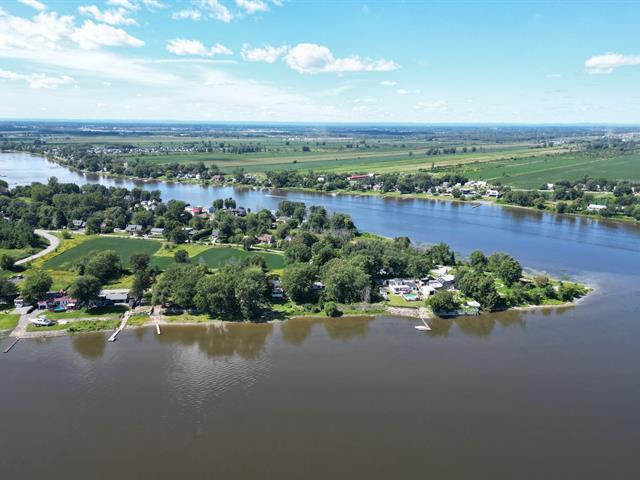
{"x": 113, "y": 297}
{"x": 358, "y": 178}
{"x": 317, "y": 286}
{"x": 20, "y": 302}
{"x": 594, "y": 207}
{"x": 276, "y": 289}
{"x": 156, "y": 232}
{"x": 428, "y": 289}
{"x": 214, "y": 236}
{"x": 446, "y": 280}
{"x": 399, "y": 286}
{"x": 133, "y": 229}
{"x": 266, "y": 239}
{"x": 77, "y": 224}
{"x": 493, "y": 193}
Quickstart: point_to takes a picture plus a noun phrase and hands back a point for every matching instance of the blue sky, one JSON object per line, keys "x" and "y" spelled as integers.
{"x": 322, "y": 61}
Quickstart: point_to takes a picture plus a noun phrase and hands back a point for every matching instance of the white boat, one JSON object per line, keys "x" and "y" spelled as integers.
{"x": 42, "y": 322}
{"x": 424, "y": 327}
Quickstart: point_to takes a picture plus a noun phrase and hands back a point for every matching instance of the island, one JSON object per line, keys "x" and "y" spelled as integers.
{"x": 128, "y": 255}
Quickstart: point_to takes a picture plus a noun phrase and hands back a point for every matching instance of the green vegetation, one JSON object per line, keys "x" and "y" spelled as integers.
{"x": 8, "y": 321}
{"x": 80, "y": 326}
{"x": 94, "y": 313}
{"x": 124, "y": 248}
{"x": 531, "y": 172}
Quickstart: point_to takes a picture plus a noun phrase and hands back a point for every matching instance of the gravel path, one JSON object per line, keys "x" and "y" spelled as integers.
{"x": 54, "y": 242}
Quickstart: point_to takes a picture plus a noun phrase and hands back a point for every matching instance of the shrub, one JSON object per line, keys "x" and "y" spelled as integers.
{"x": 332, "y": 310}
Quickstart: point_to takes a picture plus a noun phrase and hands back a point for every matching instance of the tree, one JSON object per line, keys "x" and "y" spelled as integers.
{"x": 215, "y": 294}
{"x": 104, "y": 266}
{"x": 7, "y": 290}
{"x": 344, "y": 282}
{"x": 7, "y": 262}
{"x": 297, "y": 253}
{"x": 181, "y": 256}
{"x": 478, "y": 260}
{"x": 331, "y": 310}
{"x": 505, "y": 267}
{"x": 36, "y": 285}
{"x": 297, "y": 281}
{"x": 443, "y": 301}
{"x": 85, "y": 289}
{"x": 251, "y": 291}
{"x": 442, "y": 254}
{"x": 139, "y": 262}
{"x": 248, "y": 241}
{"x": 141, "y": 281}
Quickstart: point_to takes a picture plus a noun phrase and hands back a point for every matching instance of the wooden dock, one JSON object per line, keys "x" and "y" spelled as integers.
{"x": 123, "y": 323}
{"x": 13, "y": 344}
{"x": 157, "y": 328}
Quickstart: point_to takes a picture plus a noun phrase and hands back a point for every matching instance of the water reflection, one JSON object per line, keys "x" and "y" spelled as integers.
{"x": 90, "y": 345}
{"x": 296, "y": 330}
{"x": 246, "y": 340}
{"x": 347, "y": 328}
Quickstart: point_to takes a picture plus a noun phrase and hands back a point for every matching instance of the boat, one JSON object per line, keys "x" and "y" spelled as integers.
{"x": 42, "y": 322}
{"x": 424, "y": 327}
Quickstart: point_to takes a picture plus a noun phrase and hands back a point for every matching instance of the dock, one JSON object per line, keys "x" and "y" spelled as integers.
{"x": 424, "y": 327}
{"x": 123, "y": 323}
{"x": 157, "y": 328}
{"x": 13, "y": 344}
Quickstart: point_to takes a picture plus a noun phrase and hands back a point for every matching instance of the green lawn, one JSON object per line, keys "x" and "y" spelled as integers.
{"x": 124, "y": 247}
{"x": 534, "y": 171}
{"x": 103, "y": 312}
{"x": 79, "y": 326}
{"x": 8, "y": 321}
{"x": 216, "y": 257}
{"x": 399, "y": 301}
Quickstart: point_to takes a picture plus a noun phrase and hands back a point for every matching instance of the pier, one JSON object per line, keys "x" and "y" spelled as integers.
{"x": 123, "y": 324}
{"x": 13, "y": 344}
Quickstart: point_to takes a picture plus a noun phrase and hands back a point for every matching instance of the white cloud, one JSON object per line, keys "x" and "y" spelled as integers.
{"x": 268, "y": 53}
{"x": 214, "y": 9}
{"x": 388, "y": 83}
{"x": 434, "y": 105}
{"x": 182, "y": 46}
{"x": 34, "y": 4}
{"x": 37, "y": 80}
{"x": 189, "y": 14}
{"x": 94, "y": 35}
{"x": 113, "y": 16}
{"x": 43, "y": 31}
{"x": 252, "y": 6}
{"x": 123, "y": 3}
{"x": 402, "y": 91}
{"x": 309, "y": 58}
{"x": 607, "y": 63}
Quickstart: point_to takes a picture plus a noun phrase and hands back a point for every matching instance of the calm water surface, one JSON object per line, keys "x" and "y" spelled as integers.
{"x": 541, "y": 394}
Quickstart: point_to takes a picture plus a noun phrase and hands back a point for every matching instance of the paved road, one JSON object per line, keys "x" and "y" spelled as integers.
{"x": 54, "y": 242}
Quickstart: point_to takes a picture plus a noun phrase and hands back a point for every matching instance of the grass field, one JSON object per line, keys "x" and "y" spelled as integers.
{"x": 8, "y": 321}
{"x": 350, "y": 160}
{"x": 104, "y": 312}
{"x": 218, "y": 256}
{"x": 60, "y": 266}
{"x": 534, "y": 171}
{"x": 124, "y": 247}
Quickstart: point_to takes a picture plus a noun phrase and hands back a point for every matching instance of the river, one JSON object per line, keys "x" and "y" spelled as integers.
{"x": 550, "y": 393}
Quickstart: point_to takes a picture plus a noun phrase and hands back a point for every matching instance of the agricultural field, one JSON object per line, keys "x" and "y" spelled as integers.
{"x": 531, "y": 172}
{"x": 124, "y": 247}
{"x": 387, "y": 159}
{"x": 61, "y": 265}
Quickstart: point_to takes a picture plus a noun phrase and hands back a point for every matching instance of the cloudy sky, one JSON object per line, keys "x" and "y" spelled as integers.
{"x": 321, "y": 60}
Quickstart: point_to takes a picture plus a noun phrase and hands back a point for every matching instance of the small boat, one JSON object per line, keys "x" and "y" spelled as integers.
{"x": 42, "y": 322}
{"x": 424, "y": 327}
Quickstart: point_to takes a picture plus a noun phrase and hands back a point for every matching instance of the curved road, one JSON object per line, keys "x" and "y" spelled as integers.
{"x": 54, "y": 242}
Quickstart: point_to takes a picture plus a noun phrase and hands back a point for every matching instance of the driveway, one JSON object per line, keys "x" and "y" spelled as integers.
{"x": 54, "y": 242}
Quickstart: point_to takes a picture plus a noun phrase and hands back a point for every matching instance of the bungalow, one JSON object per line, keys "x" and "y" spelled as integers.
{"x": 113, "y": 297}
{"x": 594, "y": 207}
{"x": 276, "y": 289}
{"x": 156, "y": 232}
{"x": 266, "y": 239}
{"x": 133, "y": 229}
{"x": 399, "y": 286}
{"x": 77, "y": 224}
{"x": 446, "y": 281}
{"x": 20, "y": 302}
{"x": 493, "y": 193}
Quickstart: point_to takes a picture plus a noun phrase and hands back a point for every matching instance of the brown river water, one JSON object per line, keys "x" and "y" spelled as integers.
{"x": 539, "y": 394}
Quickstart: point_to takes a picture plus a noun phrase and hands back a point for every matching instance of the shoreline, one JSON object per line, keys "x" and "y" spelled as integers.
{"x": 391, "y": 311}
{"x": 409, "y": 196}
